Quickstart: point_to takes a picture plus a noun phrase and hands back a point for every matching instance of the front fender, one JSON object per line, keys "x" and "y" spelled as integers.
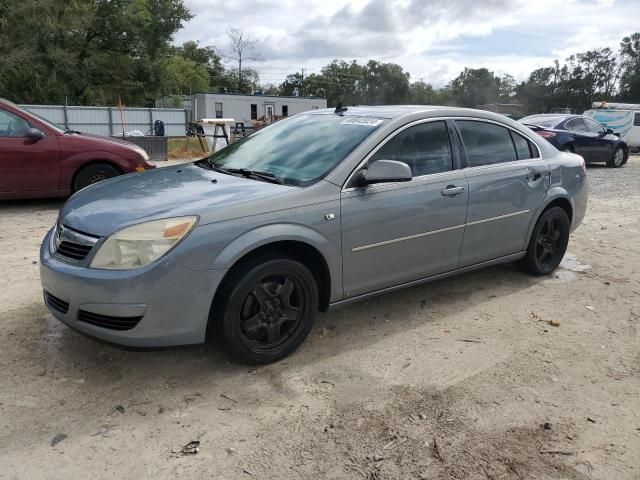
{"x": 223, "y": 244}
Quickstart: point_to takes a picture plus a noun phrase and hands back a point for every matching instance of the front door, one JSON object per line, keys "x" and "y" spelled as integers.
{"x": 585, "y": 142}
{"x": 602, "y": 148}
{"x": 507, "y": 183}
{"x": 26, "y": 165}
{"x": 269, "y": 112}
{"x": 393, "y": 233}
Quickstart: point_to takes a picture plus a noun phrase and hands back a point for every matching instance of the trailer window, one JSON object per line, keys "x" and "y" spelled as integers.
{"x": 285, "y": 110}
{"x": 218, "y": 110}
{"x": 636, "y": 120}
{"x": 254, "y": 111}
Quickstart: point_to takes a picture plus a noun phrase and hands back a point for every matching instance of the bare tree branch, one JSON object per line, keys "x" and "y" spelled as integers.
{"x": 242, "y": 49}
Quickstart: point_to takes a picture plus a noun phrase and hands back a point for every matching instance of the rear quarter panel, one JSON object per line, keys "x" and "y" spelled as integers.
{"x": 568, "y": 180}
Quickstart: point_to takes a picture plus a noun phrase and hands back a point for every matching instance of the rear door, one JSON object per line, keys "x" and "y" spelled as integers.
{"x": 507, "y": 183}
{"x": 393, "y": 233}
{"x": 26, "y": 166}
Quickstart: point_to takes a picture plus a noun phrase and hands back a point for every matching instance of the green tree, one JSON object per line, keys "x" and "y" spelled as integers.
{"x": 475, "y": 87}
{"x": 184, "y": 76}
{"x": 90, "y": 52}
{"x": 630, "y": 68}
{"x": 384, "y": 83}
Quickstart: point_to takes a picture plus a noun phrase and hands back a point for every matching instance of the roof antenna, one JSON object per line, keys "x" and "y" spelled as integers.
{"x": 340, "y": 108}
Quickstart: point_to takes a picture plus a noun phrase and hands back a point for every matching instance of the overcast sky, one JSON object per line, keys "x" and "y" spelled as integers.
{"x": 431, "y": 39}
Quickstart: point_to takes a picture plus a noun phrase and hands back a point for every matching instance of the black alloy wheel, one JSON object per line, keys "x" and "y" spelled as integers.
{"x": 268, "y": 309}
{"x": 548, "y": 242}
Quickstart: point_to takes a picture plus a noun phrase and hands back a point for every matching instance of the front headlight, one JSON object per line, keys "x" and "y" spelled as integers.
{"x": 141, "y": 244}
{"x": 142, "y": 152}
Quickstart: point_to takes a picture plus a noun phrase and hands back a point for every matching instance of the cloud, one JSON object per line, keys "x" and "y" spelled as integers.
{"x": 432, "y": 39}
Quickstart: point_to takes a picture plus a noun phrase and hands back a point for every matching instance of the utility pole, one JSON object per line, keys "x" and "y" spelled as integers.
{"x": 302, "y": 81}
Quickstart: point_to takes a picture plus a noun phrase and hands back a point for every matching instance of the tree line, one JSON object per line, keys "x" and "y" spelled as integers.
{"x": 100, "y": 52}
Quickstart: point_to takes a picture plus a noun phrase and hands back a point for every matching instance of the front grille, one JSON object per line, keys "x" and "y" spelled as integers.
{"x": 71, "y": 244}
{"x": 73, "y": 250}
{"x": 55, "y": 303}
{"x": 107, "y": 321}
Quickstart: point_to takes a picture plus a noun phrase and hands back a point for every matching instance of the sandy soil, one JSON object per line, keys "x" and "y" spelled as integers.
{"x": 463, "y": 378}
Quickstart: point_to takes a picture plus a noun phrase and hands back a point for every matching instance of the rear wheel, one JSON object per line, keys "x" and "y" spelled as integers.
{"x": 618, "y": 159}
{"x": 93, "y": 173}
{"x": 267, "y": 309}
{"x": 548, "y": 242}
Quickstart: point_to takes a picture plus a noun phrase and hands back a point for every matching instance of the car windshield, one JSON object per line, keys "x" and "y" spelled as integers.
{"x": 48, "y": 122}
{"x": 298, "y": 150}
{"x": 542, "y": 120}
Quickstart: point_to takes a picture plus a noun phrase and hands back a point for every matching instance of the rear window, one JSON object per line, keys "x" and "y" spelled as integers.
{"x": 524, "y": 148}
{"x": 486, "y": 143}
{"x": 542, "y": 120}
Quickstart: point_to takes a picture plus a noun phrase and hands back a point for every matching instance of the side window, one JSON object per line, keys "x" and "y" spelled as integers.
{"x": 524, "y": 148}
{"x": 486, "y": 143}
{"x": 593, "y": 126}
{"x": 11, "y": 125}
{"x": 576, "y": 125}
{"x": 424, "y": 147}
{"x": 636, "y": 120}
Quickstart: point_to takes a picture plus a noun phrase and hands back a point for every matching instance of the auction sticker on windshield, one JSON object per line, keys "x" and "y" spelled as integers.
{"x": 364, "y": 121}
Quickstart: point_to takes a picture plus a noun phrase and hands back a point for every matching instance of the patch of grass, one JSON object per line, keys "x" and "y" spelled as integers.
{"x": 181, "y": 148}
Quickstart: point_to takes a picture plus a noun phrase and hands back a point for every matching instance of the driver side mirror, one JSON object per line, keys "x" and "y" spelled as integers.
{"x": 33, "y": 134}
{"x": 609, "y": 131}
{"x": 382, "y": 171}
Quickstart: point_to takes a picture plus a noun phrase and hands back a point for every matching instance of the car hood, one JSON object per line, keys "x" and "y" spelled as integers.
{"x": 99, "y": 139}
{"x": 108, "y": 206}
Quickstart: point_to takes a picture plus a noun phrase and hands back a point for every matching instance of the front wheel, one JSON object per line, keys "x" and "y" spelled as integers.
{"x": 268, "y": 308}
{"x": 618, "y": 159}
{"x": 93, "y": 173}
{"x": 548, "y": 242}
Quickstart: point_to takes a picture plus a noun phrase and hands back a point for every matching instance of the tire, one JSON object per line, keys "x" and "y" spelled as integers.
{"x": 267, "y": 309}
{"x": 548, "y": 242}
{"x": 93, "y": 173}
{"x": 618, "y": 159}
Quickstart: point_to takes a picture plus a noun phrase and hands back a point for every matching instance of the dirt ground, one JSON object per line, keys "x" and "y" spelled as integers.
{"x": 462, "y": 378}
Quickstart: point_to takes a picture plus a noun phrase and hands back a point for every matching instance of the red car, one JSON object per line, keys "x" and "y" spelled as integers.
{"x": 41, "y": 159}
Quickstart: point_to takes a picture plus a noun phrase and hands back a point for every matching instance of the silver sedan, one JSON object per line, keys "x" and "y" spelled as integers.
{"x": 314, "y": 211}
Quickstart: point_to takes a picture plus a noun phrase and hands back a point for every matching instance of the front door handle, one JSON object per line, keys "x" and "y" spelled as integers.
{"x": 452, "y": 191}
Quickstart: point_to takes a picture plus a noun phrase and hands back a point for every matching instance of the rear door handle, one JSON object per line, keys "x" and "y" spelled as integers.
{"x": 452, "y": 191}
{"x": 534, "y": 175}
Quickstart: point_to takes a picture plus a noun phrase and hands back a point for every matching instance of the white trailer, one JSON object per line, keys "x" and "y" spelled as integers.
{"x": 249, "y": 109}
{"x": 622, "y": 118}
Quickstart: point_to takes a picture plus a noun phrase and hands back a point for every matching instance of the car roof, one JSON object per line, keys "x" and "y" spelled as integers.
{"x": 560, "y": 116}
{"x": 393, "y": 111}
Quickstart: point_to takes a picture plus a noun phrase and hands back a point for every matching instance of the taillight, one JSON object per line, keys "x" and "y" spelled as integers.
{"x": 545, "y": 134}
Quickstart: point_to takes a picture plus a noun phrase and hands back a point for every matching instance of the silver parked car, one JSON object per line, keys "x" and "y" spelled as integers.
{"x": 314, "y": 211}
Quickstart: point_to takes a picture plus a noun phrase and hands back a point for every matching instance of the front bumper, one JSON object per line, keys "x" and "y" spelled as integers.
{"x": 171, "y": 301}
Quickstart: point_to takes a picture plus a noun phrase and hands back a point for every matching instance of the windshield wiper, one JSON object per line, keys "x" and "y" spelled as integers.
{"x": 244, "y": 172}
{"x": 266, "y": 176}
{"x": 71, "y": 131}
